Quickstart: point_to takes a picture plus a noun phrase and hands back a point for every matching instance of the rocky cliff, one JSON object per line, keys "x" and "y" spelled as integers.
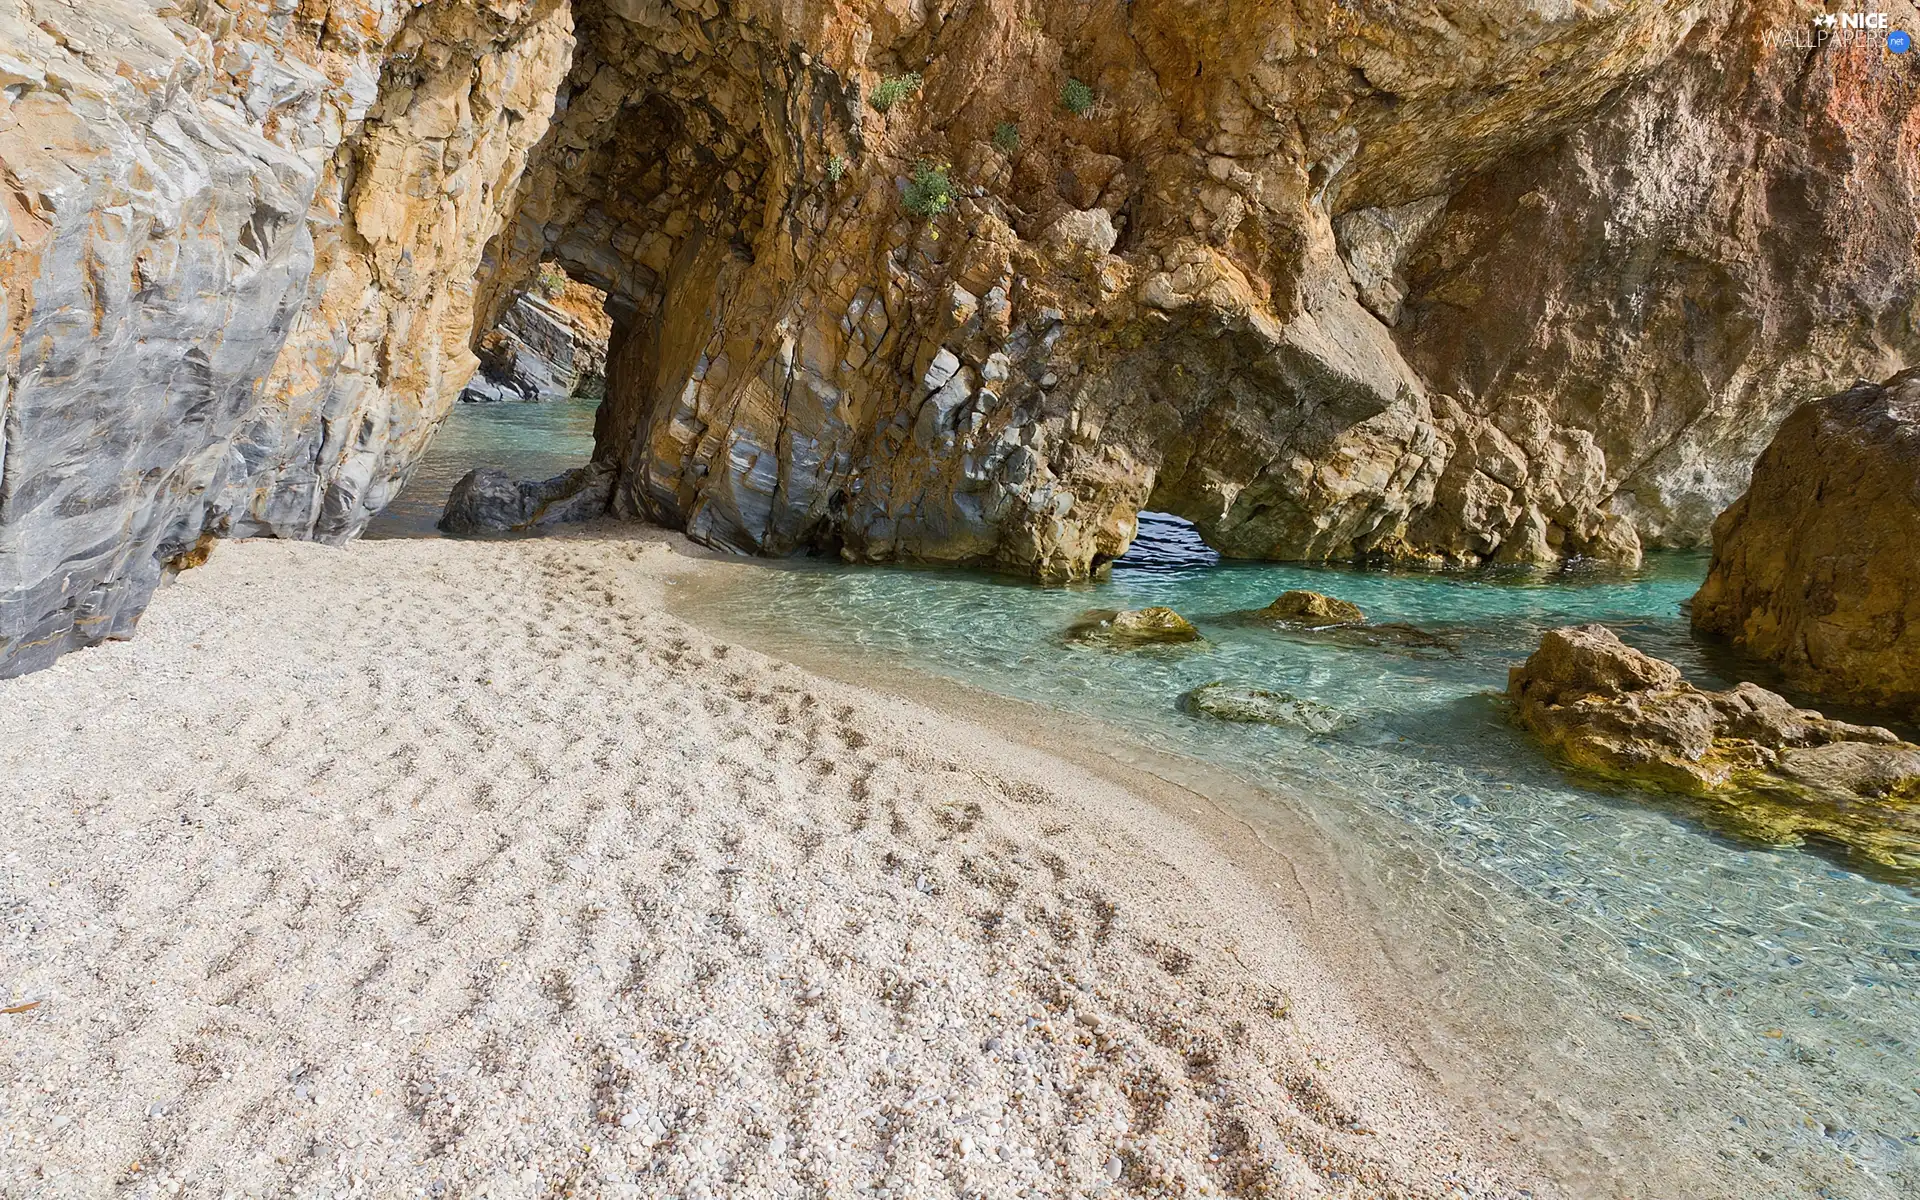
{"x": 544, "y": 348}
{"x": 950, "y": 280}
{"x": 1816, "y": 569}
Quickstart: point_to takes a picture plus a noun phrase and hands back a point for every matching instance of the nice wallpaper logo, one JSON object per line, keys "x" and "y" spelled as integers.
{"x": 1847, "y": 26}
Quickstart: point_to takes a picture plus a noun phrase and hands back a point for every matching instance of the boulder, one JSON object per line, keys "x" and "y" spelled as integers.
{"x": 1777, "y": 772}
{"x": 1312, "y": 609}
{"x": 1258, "y": 706}
{"x": 1133, "y": 627}
{"x": 487, "y": 500}
{"x": 1815, "y": 569}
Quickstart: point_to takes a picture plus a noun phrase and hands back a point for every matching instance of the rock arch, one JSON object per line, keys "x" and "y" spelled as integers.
{"x": 1329, "y": 283}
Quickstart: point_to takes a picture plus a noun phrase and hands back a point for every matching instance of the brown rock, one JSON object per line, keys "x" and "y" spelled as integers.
{"x": 1817, "y": 567}
{"x": 1314, "y": 609}
{"x": 1329, "y": 283}
{"x": 1134, "y": 627}
{"x": 1771, "y": 770}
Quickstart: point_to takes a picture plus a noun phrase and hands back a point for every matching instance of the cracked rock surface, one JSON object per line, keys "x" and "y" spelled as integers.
{"x": 1478, "y": 284}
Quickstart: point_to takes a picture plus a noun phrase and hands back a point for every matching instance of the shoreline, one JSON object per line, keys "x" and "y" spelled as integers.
{"x": 468, "y": 867}
{"x": 1381, "y": 962}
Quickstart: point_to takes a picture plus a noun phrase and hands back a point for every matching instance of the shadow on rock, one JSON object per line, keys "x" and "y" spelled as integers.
{"x": 487, "y": 500}
{"x": 1772, "y": 772}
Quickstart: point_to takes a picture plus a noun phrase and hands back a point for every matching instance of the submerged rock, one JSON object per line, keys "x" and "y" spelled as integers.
{"x": 1328, "y": 618}
{"x": 1817, "y": 568}
{"x": 488, "y": 500}
{"x": 1258, "y": 706}
{"x": 1133, "y": 627}
{"x": 1312, "y": 609}
{"x": 1778, "y": 772}
{"x": 1357, "y": 631}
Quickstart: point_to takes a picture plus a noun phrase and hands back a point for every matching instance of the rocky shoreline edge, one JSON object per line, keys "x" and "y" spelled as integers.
{"x": 466, "y": 867}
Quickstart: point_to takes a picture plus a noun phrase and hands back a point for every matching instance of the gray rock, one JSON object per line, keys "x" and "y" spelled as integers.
{"x": 1258, "y": 706}
{"x": 534, "y": 354}
{"x": 487, "y": 500}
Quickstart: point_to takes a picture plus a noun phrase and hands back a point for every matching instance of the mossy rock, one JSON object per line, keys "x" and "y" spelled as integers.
{"x": 1313, "y": 610}
{"x": 1761, "y": 768}
{"x": 1258, "y": 706}
{"x": 1134, "y": 627}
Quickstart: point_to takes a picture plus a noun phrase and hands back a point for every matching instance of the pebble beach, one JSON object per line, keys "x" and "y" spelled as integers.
{"x": 435, "y": 868}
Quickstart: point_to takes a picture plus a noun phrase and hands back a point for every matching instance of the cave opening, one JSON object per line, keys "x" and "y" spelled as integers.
{"x": 550, "y": 344}
{"x": 1165, "y": 542}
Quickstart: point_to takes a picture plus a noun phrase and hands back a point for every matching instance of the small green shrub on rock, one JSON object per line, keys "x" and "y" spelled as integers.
{"x": 551, "y": 280}
{"x": 836, "y": 168}
{"x": 929, "y": 191}
{"x": 1077, "y": 98}
{"x": 893, "y": 89}
{"x": 1006, "y": 138}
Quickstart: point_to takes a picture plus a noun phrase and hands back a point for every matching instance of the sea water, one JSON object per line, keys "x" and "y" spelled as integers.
{"x": 1646, "y": 977}
{"x": 527, "y": 441}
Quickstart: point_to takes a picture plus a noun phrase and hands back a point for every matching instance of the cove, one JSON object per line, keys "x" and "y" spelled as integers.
{"x": 1628, "y": 974}
{"x": 528, "y": 441}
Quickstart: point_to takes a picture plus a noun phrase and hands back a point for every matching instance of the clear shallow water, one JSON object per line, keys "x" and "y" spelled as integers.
{"x": 527, "y": 441}
{"x": 1652, "y": 981}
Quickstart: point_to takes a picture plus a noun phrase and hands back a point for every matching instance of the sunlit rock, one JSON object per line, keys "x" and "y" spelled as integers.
{"x": 1817, "y": 567}
{"x": 1329, "y": 284}
{"x": 1773, "y": 771}
{"x": 1133, "y": 627}
{"x": 1312, "y": 609}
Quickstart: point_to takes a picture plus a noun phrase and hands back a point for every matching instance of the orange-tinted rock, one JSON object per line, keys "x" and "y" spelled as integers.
{"x": 1313, "y": 609}
{"x": 1329, "y": 281}
{"x": 1817, "y": 568}
{"x": 1771, "y": 770}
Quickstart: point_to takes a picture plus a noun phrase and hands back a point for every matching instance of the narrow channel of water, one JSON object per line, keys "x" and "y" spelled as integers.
{"x": 527, "y": 441}
{"x": 1655, "y": 980}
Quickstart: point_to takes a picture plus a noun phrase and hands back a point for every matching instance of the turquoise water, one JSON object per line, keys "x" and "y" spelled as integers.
{"x": 527, "y": 441}
{"x": 1651, "y": 979}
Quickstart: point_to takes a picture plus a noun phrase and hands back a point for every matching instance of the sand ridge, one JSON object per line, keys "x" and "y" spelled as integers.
{"x": 462, "y": 868}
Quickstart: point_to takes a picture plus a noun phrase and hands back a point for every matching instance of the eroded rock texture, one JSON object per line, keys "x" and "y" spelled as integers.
{"x": 1455, "y": 282}
{"x": 1770, "y": 770}
{"x": 545, "y": 348}
{"x": 1817, "y": 567}
{"x": 237, "y": 251}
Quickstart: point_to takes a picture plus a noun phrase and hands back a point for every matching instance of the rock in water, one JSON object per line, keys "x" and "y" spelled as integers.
{"x": 1312, "y": 609}
{"x": 1776, "y": 772}
{"x": 487, "y": 500}
{"x": 1330, "y": 318}
{"x": 1257, "y": 706}
{"x": 1817, "y": 567}
{"x": 1133, "y": 627}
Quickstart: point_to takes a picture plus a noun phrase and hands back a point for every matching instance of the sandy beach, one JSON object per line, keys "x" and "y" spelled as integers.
{"x": 465, "y": 869}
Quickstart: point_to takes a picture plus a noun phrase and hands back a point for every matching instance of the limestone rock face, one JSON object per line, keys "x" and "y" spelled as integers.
{"x": 1774, "y": 771}
{"x": 237, "y": 252}
{"x": 1448, "y": 284}
{"x": 540, "y": 352}
{"x": 1817, "y": 567}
